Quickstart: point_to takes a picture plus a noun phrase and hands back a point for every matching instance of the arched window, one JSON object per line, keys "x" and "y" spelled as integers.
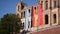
{"x": 22, "y": 6}
{"x": 24, "y": 14}
{"x": 29, "y": 10}
{"x": 46, "y": 19}
{"x": 46, "y": 4}
{"x": 54, "y": 16}
{"x": 42, "y": 4}
{"x": 31, "y": 23}
{"x": 21, "y": 15}
{"x": 55, "y": 3}
{"x": 28, "y": 24}
{"x": 23, "y": 24}
{"x": 18, "y": 8}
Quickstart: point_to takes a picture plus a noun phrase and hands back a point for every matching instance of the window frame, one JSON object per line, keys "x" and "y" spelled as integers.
{"x": 46, "y": 4}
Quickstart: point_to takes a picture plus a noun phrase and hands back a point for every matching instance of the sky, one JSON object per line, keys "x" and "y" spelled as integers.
{"x": 9, "y": 6}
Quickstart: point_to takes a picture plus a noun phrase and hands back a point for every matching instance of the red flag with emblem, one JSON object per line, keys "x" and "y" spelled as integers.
{"x": 40, "y": 15}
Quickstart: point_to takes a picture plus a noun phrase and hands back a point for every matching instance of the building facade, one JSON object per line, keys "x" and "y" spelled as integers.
{"x": 51, "y": 12}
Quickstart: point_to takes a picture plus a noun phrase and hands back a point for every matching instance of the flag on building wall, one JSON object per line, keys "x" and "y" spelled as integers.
{"x": 26, "y": 19}
{"x": 40, "y": 15}
{"x": 33, "y": 17}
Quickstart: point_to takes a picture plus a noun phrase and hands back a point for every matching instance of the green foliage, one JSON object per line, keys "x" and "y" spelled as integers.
{"x": 10, "y": 23}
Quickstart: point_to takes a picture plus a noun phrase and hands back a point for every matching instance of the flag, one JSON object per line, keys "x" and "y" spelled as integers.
{"x": 40, "y": 15}
{"x": 35, "y": 21}
{"x": 33, "y": 17}
{"x": 26, "y": 19}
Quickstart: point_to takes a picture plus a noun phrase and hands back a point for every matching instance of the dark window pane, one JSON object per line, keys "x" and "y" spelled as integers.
{"x": 46, "y": 19}
{"x": 54, "y": 18}
{"x": 24, "y": 13}
{"x": 28, "y": 24}
{"x": 22, "y": 6}
{"x": 21, "y": 15}
{"x": 41, "y": 3}
{"x": 54, "y": 4}
{"x": 31, "y": 23}
{"x": 23, "y": 25}
{"x": 29, "y": 10}
{"x": 18, "y": 8}
{"x": 46, "y": 4}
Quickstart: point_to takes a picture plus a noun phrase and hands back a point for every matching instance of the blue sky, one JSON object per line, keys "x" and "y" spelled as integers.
{"x": 9, "y": 6}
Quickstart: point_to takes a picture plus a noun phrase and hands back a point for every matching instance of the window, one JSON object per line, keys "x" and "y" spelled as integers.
{"x": 29, "y": 10}
{"x": 55, "y": 3}
{"x": 41, "y": 3}
{"x": 22, "y": 6}
{"x": 18, "y": 8}
{"x": 24, "y": 13}
{"x": 31, "y": 22}
{"x": 23, "y": 24}
{"x": 28, "y": 24}
{"x": 46, "y": 19}
{"x": 54, "y": 18}
{"x": 21, "y": 15}
{"x": 46, "y": 4}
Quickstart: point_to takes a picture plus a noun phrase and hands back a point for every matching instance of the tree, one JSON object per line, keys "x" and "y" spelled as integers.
{"x": 10, "y": 23}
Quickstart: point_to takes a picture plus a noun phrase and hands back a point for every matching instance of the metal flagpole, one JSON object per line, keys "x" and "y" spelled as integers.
{"x": 30, "y": 23}
{"x": 50, "y": 12}
{"x": 37, "y": 15}
{"x": 37, "y": 18}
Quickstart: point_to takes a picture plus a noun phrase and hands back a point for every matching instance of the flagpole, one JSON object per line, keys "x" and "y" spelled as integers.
{"x": 30, "y": 22}
{"x": 50, "y": 12}
{"x": 30, "y": 27}
{"x": 37, "y": 18}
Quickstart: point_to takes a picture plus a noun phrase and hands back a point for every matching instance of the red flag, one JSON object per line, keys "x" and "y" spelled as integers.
{"x": 40, "y": 15}
{"x": 32, "y": 15}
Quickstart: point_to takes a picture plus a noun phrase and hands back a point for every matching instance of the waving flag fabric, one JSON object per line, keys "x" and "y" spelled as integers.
{"x": 35, "y": 24}
{"x": 26, "y": 20}
{"x": 33, "y": 17}
{"x": 40, "y": 15}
